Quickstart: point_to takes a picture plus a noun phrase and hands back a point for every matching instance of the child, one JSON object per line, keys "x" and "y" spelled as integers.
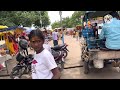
{"x": 43, "y": 65}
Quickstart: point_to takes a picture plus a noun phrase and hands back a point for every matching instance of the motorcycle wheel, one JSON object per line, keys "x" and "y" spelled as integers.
{"x": 27, "y": 69}
{"x": 86, "y": 67}
{"x": 65, "y": 53}
{"x": 16, "y": 73}
{"x": 61, "y": 65}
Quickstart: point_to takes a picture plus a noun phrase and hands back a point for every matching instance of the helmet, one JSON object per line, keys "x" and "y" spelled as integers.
{"x": 108, "y": 18}
{"x": 23, "y": 44}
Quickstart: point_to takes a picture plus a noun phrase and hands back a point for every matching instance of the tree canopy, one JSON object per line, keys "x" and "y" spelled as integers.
{"x": 70, "y": 22}
{"x": 25, "y": 18}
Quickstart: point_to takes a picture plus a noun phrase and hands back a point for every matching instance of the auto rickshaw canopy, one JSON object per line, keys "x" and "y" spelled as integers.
{"x": 94, "y": 14}
{"x": 12, "y": 29}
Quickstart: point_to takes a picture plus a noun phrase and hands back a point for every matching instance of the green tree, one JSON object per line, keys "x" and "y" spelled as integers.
{"x": 72, "y": 21}
{"x": 26, "y": 18}
{"x": 66, "y": 22}
{"x": 76, "y": 17}
{"x": 55, "y": 25}
{"x": 44, "y": 18}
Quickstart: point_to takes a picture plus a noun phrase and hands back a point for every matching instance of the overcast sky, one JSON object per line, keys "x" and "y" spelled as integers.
{"x": 54, "y": 15}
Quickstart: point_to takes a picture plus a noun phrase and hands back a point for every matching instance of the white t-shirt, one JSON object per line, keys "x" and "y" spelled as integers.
{"x": 47, "y": 46}
{"x": 42, "y": 65}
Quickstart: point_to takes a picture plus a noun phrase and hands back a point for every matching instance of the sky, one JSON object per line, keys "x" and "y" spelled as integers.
{"x": 54, "y": 15}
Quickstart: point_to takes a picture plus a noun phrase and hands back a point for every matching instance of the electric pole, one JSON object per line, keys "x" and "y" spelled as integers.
{"x": 60, "y": 13}
{"x": 40, "y": 19}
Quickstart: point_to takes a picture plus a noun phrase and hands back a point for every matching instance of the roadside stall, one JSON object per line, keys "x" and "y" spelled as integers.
{"x": 1, "y": 34}
{"x": 3, "y": 57}
{"x": 10, "y": 34}
{"x": 7, "y": 46}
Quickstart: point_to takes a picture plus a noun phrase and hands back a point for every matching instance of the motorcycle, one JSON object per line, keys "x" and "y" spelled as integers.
{"x": 61, "y": 48}
{"x": 59, "y": 59}
{"x": 23, "y": 66}
{"x": 24, "y": 61}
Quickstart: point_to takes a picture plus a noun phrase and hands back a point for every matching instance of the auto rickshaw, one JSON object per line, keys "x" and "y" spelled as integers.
{"x": 93, "y": 55}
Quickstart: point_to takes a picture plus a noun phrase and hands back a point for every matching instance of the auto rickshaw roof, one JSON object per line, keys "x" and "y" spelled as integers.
{"x": 94, "y": 14}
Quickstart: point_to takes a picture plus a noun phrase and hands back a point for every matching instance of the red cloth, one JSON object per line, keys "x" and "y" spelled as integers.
{"x": 23, "y": 34}
{"x": 15, "y": 46}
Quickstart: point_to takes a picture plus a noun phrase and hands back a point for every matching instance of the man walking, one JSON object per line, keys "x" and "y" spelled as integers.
{"x": 55, "y": 37}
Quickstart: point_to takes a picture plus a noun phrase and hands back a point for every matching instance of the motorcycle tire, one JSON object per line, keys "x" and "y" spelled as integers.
{"x": 16, "y": 73}
{"x": 86, "y": 67}
{"x": 65, "y": 53}
{"x": 61, "y": 66}
{"x": 27, "y": 70}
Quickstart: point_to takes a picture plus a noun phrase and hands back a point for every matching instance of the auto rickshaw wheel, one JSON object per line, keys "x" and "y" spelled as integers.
{"x": 82, "y": 57}
{"x": 86, "y": 67}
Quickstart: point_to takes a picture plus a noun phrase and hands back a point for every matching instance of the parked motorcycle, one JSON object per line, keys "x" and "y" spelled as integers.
{"x": 61, "y": 48}
{"x": 59, "y": 59}
{"x": 24, "y": 61}
{"x": 23, "y": 66}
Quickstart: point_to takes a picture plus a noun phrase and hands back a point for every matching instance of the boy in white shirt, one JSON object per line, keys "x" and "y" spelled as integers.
{"x": 43, "y": 65}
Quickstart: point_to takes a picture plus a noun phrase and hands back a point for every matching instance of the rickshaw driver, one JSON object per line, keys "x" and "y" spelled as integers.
{"x": 111, "y": 31}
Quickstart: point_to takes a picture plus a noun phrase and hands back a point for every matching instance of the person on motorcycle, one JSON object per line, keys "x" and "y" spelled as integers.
{"x": 111, "y": 31}
{"x": 43, "y": 64}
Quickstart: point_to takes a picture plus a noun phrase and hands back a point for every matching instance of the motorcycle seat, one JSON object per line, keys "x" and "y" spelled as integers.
{"x": 58, "y": 47}
{"x": 57, "y": 54}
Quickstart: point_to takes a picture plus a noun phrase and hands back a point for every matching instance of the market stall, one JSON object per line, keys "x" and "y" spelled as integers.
{"x": 7, "y": 44}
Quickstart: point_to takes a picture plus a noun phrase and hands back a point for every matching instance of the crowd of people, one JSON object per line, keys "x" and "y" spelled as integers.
{"x": 76, "y": 33}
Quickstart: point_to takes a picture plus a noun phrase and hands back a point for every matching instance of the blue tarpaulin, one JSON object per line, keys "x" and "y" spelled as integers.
{"x": 11, "y": 28}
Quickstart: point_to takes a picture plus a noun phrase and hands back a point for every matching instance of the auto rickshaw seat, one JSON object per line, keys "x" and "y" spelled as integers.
{"x": 106, "y": 49}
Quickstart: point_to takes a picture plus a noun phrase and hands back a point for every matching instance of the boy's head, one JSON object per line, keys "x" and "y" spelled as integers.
{"x": 36, "y": 38}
